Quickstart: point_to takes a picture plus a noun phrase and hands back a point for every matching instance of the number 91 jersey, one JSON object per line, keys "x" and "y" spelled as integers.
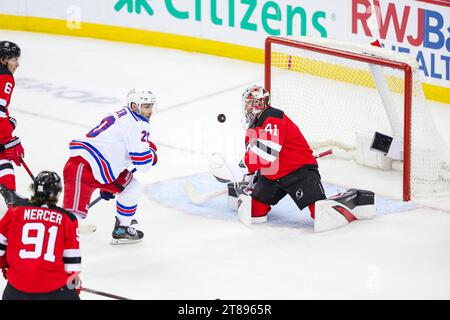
{"x": 275, "y": 145}
{"x": 119, "y": 141}
{"x": 41, "y": 247}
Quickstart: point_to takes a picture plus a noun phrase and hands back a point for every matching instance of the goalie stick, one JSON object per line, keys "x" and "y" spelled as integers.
{"x": 320, "y": 155}
{"x": 198, "y": 198}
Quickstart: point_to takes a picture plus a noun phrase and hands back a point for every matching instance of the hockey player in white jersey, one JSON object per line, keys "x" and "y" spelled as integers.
{"x": 105, "y": 159}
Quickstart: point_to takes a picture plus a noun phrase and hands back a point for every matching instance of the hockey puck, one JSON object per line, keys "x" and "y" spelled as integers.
{"x": 221, "y": 118}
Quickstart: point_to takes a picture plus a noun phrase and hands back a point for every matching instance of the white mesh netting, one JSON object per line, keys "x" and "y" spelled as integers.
{"x": 331, "y": 98}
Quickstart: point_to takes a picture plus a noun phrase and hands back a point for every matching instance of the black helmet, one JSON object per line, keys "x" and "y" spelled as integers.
{"x": 9, "y": 50}
{"x": 46, "y": 187}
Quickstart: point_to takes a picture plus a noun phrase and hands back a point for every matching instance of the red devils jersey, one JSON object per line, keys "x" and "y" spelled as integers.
{"x": 6, "y": 86}
{"x": 41, "y": 247}
{"x": 276, "y": 146}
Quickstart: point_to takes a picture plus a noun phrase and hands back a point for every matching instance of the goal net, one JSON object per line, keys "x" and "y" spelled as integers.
{"x": 341, "y": 93}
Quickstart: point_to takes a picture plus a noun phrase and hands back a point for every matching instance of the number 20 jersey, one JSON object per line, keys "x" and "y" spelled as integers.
{"x": 121, "y": 140}
{"x": 41, "y": 247}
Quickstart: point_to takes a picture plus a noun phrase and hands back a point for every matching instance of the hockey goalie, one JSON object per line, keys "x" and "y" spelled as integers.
{"x": 280, "y": 162}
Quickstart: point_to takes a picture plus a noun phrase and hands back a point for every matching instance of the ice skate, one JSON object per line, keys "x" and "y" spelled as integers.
{"x": 126, "y": 235}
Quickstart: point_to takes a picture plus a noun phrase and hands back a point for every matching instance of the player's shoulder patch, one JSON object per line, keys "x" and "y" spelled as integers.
{"x": 270, "y": 113}
{"x": 69, "y": 214}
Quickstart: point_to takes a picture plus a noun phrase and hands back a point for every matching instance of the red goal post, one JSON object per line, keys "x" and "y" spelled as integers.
{"x": 290, "y": 59}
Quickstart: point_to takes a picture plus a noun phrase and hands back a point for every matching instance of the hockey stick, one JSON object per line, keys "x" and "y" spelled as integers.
{"x": 27, "y": 170}
{"x": 104, "y": 294}
{"x": 320, "y": 155}
{"x": 198, "y": 198}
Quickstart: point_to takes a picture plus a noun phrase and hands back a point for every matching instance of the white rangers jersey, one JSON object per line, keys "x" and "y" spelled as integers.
{"x": 120, "y": 140}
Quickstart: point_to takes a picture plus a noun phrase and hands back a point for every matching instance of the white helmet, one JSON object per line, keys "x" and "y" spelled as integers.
{"x": 140, "y": 97}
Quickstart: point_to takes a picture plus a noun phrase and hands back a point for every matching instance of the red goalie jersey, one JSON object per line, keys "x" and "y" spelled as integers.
{"x": 276, "y": 146}
{"x": 41, "y": 247}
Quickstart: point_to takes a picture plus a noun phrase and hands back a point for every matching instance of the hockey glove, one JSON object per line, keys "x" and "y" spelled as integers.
{"x": 107, "y": 195}
{"x": 123, "y": 180}
{"x": 13, "y": 122}
{"x": 153, "y": 146}
{"x": 74, "y": 282}
{"x": 14, "y": 151}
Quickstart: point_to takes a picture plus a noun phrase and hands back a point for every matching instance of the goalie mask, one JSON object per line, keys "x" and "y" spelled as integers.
{"x": 140, "y": 97}
{"x": 255, "y": 100}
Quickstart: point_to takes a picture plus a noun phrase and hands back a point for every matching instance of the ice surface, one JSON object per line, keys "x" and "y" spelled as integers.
{"x": 65, "y": 86}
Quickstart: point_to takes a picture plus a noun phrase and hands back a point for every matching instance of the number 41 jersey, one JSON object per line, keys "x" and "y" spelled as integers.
{"x": 276, "y": 146}
{"x": 119, "y": 141}
{"x": 41, "y": 247}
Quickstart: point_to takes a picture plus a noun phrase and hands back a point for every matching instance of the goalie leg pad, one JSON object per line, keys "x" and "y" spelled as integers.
{"x": 361, "y": 202}
{"x": 251, "y": 211}
{"x": 245, "y": 209}
{"x": 330, "y": 214}
{"x": 234, "y": 190}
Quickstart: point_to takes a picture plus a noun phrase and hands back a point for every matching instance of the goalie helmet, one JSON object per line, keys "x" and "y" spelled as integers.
{"x": 255, "y": 100}
{"x": 46, "y": 187}
{"x": 9, "y": 50}
{"x": 140, "y": 97}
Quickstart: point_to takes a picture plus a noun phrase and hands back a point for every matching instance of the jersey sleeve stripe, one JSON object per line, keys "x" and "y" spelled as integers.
{"x": 141, "y": 163}
{"x": 71, "y": 253}
{"x": 143, "y": 158}
{"x": 3, "y": 239}
{"x": 73, "y": 260}
{"x": 104, "y": 166}
{"x": 266, "y": 149}
{"x": 3, "y": 102}
{"x": 72, "y": 265}
{"x": 2, "y": 250}
{"x": 140, "y": 154}
{"x": 264, "y": 155}
{"x": 272, "y": 145}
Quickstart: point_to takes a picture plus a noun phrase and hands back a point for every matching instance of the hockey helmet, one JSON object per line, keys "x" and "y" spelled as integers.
{"x": 140, "y": 97}
{"x": 9, "y": 50}
{"x": 47, "y": 186}
{"x": 255, "y": 100}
